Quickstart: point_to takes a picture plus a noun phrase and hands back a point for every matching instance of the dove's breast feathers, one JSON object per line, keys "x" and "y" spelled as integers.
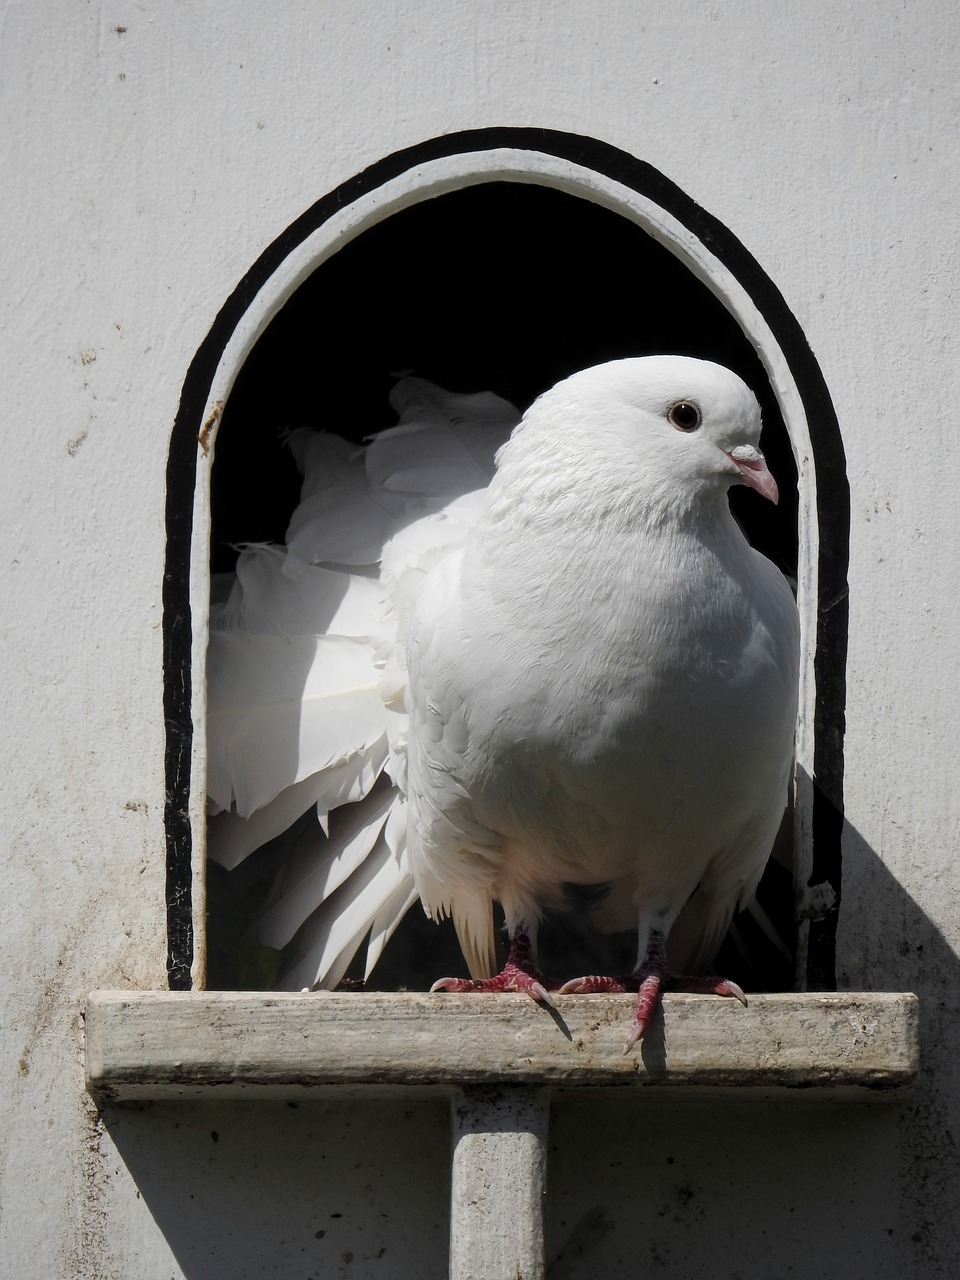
{"x": 631, "y": 724}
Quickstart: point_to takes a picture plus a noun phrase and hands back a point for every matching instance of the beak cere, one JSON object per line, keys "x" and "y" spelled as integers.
{"x": 754, "y": 472}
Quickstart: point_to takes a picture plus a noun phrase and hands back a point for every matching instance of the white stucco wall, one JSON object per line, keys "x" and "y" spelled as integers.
{"x": 150, "y": 154}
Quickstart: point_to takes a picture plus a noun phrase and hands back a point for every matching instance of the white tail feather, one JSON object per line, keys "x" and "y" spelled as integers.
{"x": 306, "y": 675}
{"x": 338, "y": 520}
{"x": 283, "y": 595}
{"x": 386, "y": 921}
{"x": 330, "y": 939}
{"x": 445, "y": 443}
{"x": 319, "y": 866}
{"x": 284, "y": 707}
{"x": 231, "y": 838}
{"x": 473, "y": 919}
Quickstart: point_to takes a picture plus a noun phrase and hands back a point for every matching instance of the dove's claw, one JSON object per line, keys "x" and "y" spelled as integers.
{"x": 704, "y": 986}
{"x": 518, "y": 974}
{"x": 591, "y": 984}
{"x": 454, "y": 984}
{"x": 651, "y": 979}
{"x": 648, "y": 997}
{"x": 636, "y": 1033}
{"x": 509, "y": 979}
{"x": 540, "y": 993}
{"x": 656, "y": 977}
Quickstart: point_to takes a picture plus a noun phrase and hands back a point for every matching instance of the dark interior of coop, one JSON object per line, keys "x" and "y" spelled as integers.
{"x": 503, "y": 286}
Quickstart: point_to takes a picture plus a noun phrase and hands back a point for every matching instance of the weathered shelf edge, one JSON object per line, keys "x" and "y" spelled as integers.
{"x": 166, "y": 1045}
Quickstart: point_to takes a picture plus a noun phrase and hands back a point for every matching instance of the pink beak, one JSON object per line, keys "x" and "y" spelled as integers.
{"x": 754, "y": 472}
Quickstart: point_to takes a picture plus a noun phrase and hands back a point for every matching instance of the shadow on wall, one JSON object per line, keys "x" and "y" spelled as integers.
{"x": 302, "y": 1190}
{"x": 887, "y": 942}
{"x": 636, "y": 1183}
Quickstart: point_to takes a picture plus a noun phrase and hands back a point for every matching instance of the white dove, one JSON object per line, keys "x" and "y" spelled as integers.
{"x": 590, "y": 679}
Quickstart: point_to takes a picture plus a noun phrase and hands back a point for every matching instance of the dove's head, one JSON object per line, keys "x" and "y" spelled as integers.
{"x": 683, "y": 427}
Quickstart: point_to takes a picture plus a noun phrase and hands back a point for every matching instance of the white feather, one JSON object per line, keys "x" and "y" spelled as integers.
{"x": 302, "y": 710}
{"x": 275, "y": 593}
{"x": 385, "y": 922}
{"x": 281, "y": 708}
{"x": 330, "y": 938}
{"x": 319, "y": 865}
{"x": 445, "y": 444}
{"x": 338, "y": 520}
{"x": 231, "y": 838}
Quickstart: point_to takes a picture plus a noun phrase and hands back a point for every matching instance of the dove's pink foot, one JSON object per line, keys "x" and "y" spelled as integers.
{"x": 518, "y": 974}
{"x": 651, "y": 979}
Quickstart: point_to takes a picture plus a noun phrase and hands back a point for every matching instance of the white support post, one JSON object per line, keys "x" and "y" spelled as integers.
{"x": 498, "y": 1183}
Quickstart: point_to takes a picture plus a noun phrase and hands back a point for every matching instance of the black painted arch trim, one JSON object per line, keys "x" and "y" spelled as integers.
{"x": 833, "y": 506}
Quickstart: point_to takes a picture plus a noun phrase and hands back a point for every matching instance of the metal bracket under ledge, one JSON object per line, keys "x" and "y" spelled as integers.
{"x": 849, "y": 1046}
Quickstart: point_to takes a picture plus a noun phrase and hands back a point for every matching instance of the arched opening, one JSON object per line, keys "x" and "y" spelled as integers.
{"x": 504, "y": 276}
{"x": 504, "y": 286}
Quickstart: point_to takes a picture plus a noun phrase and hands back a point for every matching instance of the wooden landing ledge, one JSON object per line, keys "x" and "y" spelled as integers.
{"x": 810, "y": 1047}
{"x": 176, "y": 1045}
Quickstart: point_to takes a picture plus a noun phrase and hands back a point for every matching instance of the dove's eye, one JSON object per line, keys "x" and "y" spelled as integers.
{"x": 684, "y": 415}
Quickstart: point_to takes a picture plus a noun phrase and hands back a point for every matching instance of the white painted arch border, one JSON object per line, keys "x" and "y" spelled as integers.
{"x": 425, "y": 180}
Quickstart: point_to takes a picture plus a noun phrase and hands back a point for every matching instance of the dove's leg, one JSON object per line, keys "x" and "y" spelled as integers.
{"x": 652, "y": 977}
{"x": 520, "y": 973}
